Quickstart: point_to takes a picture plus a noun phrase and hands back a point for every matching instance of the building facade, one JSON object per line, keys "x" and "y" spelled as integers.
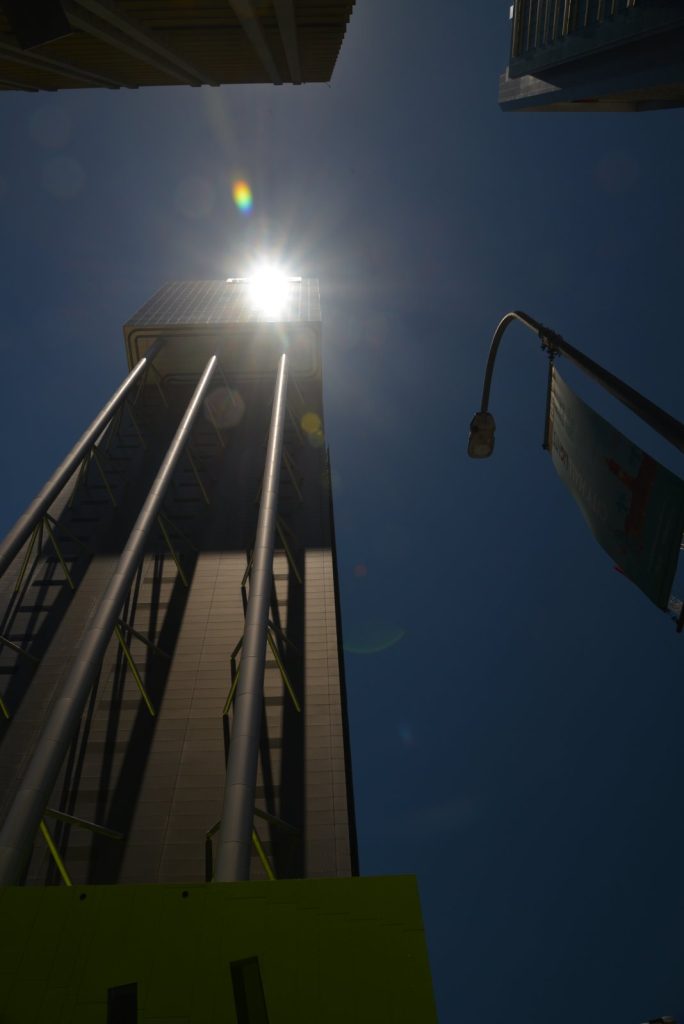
{"x": 295, "y": 952}
{"x": 131, "y": 698}
{"x": 594, "y": 55}
{"x": 148, "y": 760}
{"x": 123, "y": 44}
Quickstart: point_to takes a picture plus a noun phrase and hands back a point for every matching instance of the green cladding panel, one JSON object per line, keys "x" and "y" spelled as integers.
{"x": 307, "y": 951}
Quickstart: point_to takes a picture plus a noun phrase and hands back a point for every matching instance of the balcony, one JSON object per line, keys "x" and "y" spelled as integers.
{"x": 549, "y": 33}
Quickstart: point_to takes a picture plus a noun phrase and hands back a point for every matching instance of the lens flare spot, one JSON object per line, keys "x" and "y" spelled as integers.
{"x": 63, "y": 177}
{"x": 311, "y": 423}
{"x": 371, "y": 637}
{"x": 360, "y": 570}
{"x": 195, "y": 198}
{"x": 50, "y": 127}
{"x": 224, "y": 407}
{"x": 242, "y": 196}
{"x": 406, "y": 735}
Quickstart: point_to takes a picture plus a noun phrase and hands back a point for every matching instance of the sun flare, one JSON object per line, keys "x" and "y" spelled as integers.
{"x": 269, "y": 289}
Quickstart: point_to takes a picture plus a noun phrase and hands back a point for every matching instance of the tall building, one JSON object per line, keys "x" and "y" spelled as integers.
{"x": 150, "y": 759}
{"x": 600, "y": 55}
{"x": 115, "y": 44}
{"x": 173, "y": 700}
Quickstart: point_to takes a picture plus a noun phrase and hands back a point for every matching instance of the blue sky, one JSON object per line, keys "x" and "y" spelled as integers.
{"x": 515, "y": 704}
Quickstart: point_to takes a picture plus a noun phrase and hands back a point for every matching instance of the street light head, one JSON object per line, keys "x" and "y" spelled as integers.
{"x": 481, "y": 438}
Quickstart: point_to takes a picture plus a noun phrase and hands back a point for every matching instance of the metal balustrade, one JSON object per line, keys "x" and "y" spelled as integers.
{"x": 538, "y": 23}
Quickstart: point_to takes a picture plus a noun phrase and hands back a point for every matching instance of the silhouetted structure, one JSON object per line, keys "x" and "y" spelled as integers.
{"x": 71, "y": 44}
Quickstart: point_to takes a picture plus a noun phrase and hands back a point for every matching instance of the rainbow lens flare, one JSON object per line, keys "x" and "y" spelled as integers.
{"x": 242, "y": 196}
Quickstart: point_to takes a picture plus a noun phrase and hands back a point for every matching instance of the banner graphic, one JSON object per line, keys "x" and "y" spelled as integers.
{"x": 632, "y": 504}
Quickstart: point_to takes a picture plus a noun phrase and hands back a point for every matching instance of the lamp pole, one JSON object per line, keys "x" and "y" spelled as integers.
{"x": 482, "y": 427}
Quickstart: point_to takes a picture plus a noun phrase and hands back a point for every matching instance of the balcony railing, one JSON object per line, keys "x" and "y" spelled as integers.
{"x": 551, "y": 33}
{"x": 538, "y": 23}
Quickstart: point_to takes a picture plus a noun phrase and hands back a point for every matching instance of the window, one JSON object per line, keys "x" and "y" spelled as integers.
{"x": 122, "y": 1004}
{"x": 248, "y": 990}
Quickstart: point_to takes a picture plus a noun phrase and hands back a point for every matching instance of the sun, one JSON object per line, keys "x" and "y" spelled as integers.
{"x": 269, "y": 289}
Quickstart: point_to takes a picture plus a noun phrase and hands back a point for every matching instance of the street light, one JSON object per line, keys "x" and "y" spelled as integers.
{"x": 481, "y": 439}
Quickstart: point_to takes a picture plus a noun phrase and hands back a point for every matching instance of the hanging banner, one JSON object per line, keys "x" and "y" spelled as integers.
{"x": 632, "y": 504}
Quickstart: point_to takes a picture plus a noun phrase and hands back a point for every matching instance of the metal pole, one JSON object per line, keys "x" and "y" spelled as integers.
{"x": 26, "y": 522}
{"x": 667, "y": 426}
{"x": 235, "y": 837}
{"x": 662, "y": 422}
{"x": 31, "y": 799}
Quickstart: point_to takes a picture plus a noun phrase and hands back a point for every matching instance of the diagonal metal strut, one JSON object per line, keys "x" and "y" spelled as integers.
{"x": 235, "y": 837}
{"x": 24, "y": 526}
{"x": 31, "y": 798}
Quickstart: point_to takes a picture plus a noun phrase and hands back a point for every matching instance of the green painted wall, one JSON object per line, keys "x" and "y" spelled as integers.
{"x": 347, "y": 950}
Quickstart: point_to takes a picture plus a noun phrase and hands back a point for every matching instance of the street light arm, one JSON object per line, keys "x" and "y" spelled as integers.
{"x": 662, "y": 422}
{"x": 529, "y": 322}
